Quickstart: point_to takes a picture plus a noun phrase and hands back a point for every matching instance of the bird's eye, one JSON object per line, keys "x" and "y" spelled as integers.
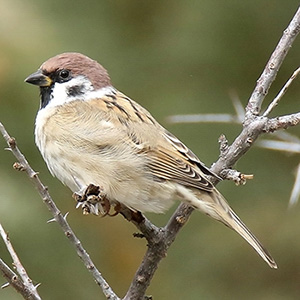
{"x": 64, "y": 74}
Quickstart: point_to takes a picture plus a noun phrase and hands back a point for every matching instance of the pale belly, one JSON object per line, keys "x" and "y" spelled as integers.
{"x": 122, "y": 175}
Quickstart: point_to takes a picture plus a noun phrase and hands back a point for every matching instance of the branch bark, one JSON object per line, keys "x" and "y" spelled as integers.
{"x": 14, "y": 280}
{"x": 29, "y": 289}
{"x": 270, "y": 71}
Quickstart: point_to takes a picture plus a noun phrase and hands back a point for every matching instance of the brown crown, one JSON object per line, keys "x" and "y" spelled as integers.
{"x": 78, "y": 64}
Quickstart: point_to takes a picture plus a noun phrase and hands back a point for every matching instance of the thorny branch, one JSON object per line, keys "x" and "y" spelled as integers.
{"x": 29, "y": 287}
{"x": 23, "y": 165}
{"x": 286, "y": 142}
{"x": 16, "y": 282}
{"x": 275, "y": 102}
{"x": 270, "y": 71}
{"x": 160, "y": 239}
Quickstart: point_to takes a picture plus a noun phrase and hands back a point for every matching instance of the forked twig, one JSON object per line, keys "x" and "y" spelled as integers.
{"x": 276, "y": 100}
{"x": 30, "y": 287}
{"x": 270, "y": 71}
{"x": 14, "y": 281}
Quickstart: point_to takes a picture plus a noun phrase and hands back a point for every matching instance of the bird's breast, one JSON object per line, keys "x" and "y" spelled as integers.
{"x": 82, "y": 146}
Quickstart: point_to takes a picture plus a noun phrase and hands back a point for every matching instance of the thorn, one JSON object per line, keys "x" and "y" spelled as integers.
{"x": 34, "y": 174}
{"x": 65, "y": 216}
{"x": 37, "y": 285}
{"x": 5, "y": 285}
{"x": 51, "y": 220}
{"x": 7, "y": 149}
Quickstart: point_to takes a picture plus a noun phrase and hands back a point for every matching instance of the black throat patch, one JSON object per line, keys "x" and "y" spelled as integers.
{"x": 46, "y": 95}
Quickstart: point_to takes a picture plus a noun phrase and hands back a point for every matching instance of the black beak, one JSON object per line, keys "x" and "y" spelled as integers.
{"x": 38, "y": 78}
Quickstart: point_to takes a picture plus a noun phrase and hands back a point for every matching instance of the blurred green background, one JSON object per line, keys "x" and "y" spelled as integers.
{"x": 173, "y": 57}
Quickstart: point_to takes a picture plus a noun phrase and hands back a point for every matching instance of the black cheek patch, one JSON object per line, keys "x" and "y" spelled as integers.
{"x": 75, "y": 90}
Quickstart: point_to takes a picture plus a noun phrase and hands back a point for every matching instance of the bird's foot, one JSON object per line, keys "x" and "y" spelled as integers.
{"x": 93, "y": 200}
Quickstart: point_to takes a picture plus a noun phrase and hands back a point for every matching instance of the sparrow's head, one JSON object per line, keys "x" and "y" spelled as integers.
{"x": 68, "y": 76}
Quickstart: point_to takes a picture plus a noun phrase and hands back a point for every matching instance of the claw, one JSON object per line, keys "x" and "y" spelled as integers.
{"x": 93, "y": 201}
{"x": 78, "y": 204}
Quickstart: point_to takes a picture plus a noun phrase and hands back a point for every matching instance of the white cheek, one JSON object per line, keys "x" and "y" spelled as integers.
{"x": 59, "y": 95}
{"x": 60, "y": 91}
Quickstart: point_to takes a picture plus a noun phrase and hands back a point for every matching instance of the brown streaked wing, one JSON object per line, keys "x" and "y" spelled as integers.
{"x": 178, "y": 163}
{"x": 188, "y": 154}
{"x": 165, "y": 166}
{"x": 135, "y": 111}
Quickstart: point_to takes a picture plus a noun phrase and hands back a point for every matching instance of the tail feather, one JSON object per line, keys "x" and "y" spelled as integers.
{"x": 216, "y": 206}
{"x": 238, "y": 226}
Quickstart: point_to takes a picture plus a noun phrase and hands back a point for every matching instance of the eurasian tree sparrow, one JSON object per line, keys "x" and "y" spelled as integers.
{"x": 90, "y": 133}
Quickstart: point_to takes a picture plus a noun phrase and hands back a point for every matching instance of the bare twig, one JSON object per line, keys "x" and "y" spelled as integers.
{"x": 276, "y": 100}
{"x": 249, "y": 135}
{"x": 282, "y": 122}
{"x": 270, "y": 71}
{"x": 59, "y": 218}
{"x": 30, "y": 287}
{"x": 16, "y": 282}
{"x": 253, "y": 124}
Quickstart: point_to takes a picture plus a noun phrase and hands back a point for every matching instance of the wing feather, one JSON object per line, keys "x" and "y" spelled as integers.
{"x": 184, "y": 150}
{"x": 167, "y": 157}
{"x": 164, "y": 166}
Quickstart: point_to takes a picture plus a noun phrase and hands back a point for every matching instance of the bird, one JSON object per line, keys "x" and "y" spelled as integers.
{"x": 89, "y": 133}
